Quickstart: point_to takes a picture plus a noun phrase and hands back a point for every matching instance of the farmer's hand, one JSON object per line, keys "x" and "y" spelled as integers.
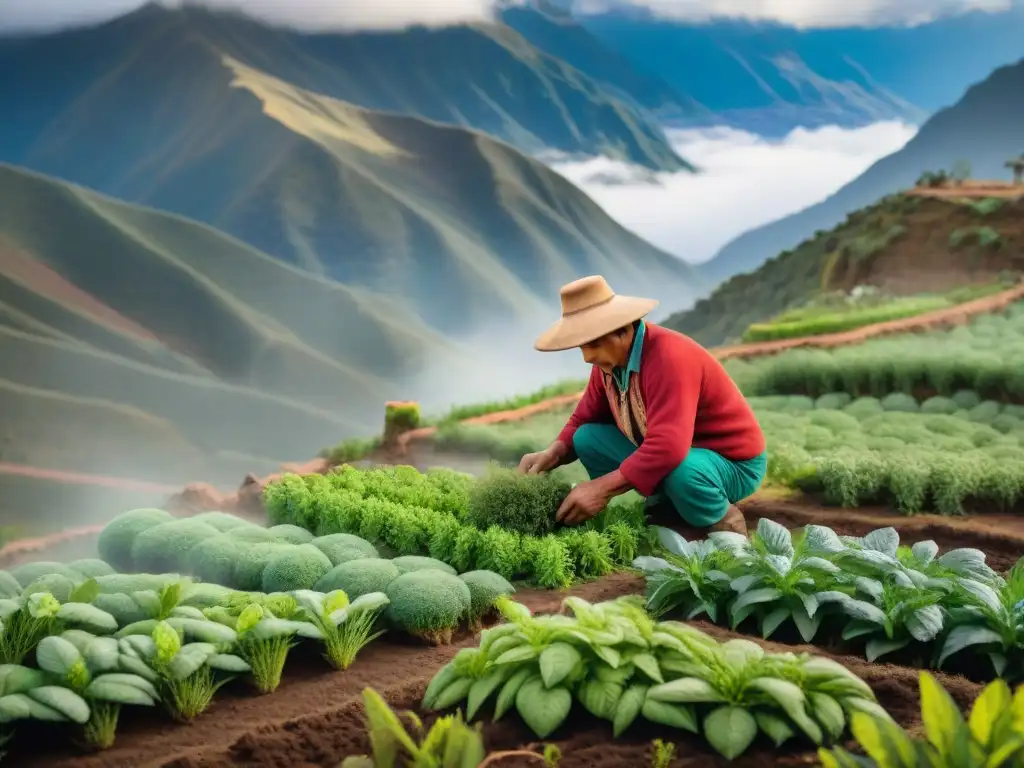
{"x": 583, "y": 502}
{"x": 543, "y": 461}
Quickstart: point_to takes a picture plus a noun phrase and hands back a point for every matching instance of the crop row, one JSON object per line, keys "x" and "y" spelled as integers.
{"x": 870, "y": 592}
{"x": 619, "y": 665}
{"x": 82, "y": 659}
{"x": 428, "y": 599}
{"x": 503, "y": 522}
{"x": 982, "y": 357}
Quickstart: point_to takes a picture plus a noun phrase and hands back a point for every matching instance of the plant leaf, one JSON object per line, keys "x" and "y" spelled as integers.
{"x": 993, "y": 701}
{"x": 543, "y": 709}
{"x": 628, "y": 708}
{"x": 965, "y": 636}
{"x": 557, "y": 662}
{"x": 730, "y": 730}
{"x": 941, "y": 717}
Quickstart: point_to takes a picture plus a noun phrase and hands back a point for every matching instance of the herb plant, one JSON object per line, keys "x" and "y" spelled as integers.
{"x": 344, "y": 627}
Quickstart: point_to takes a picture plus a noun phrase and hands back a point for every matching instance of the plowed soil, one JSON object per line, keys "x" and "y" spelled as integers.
{"x": 316, "y": 718}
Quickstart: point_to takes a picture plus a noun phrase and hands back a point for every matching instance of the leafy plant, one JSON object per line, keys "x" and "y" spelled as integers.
{"x": 889, "y": 615}
{"x": 26, "y": 620}
{"x": 992, "y": 736}
{"x": 692, "y": 579}
{"x": 183, "y": 673}
{"x": 449, "y": 743}
{"x": 515, "y": 502}
{"x": 26, "y": 695}
{"x": 344, "y": 627}
{"x": 90, "y": 667}
{"x": 990, "y": 621}
{"x": 619, "y": 664}
{"x": 264, "y": 641}
{"x": 781, "y": 579}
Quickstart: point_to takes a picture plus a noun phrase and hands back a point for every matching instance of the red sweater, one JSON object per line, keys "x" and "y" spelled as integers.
{"x": 690, "y": 401}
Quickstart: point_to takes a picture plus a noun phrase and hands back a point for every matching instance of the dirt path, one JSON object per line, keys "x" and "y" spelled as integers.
{"x": 82, "y": 478}
{"x": 316, "y": 717}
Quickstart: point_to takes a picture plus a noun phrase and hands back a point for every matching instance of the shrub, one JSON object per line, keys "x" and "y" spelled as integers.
{"x": 942, "y": 405}
{"x": 900, "y": 402}
{"x": 864, "y": 407}
{"x": 298, "y": 567}
{"x": 522, "y": 503}
{"x": 91, "y": 567}
{"x": 833, "y": 401}
{"x": 410, "y": 563}
{"x": 342, "y": 547}
{"x": 222, "y": 521}
{"x": 966, "y": 399}
{"x": 485, "y": 587}
{"x": 116, "y": 538}
{"x": 30, "y": 572}
{"x": 255, "y": 535}
{"x": 253, "y": 561}
{"x": 359, "y": 577}
{"x": 165, "y": 547}
{"x": 214, "y": 560}
{"x": 428, "y": 604}
{"x": 291, "y": 533}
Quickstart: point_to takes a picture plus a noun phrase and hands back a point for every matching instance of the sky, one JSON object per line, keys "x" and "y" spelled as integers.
{"x": 745, "y": 181}
{"x": 21, "y": 15}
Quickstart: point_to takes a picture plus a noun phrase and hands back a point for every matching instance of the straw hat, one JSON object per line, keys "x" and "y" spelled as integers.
{"x": 591, "y": 309}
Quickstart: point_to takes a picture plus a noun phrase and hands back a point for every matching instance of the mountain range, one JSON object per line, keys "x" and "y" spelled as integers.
{"x": 769, "y": 79}
{"x": 201, "y": 254}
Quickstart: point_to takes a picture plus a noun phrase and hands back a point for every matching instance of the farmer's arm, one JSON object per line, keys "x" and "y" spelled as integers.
{"x": 672, "y": 390}
{"x": 592, "y": 407}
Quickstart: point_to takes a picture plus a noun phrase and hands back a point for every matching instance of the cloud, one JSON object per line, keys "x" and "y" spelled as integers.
{"x": 308, "y": 15}
{"x": 745, "y": 181}
{"x": 805, "y": 13}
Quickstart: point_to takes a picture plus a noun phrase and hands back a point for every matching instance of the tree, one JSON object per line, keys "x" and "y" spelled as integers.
{"x": 961, "y": 171}
{"x": 1016, "y": 165}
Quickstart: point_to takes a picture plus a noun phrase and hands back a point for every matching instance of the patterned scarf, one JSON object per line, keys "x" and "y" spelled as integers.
{"x": 627, "y": 407}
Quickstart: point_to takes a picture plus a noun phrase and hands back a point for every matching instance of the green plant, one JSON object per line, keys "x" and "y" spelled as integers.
{"x": 449, "y": 743}
{"x": 263, "y": 641}
{"x": 428, "y": 604}
{"x": 663, "y": 754}
{"x": 992, "y": 736}
{"x": 691, "y": 580}
{"x": 344, "y": 627}
{"x": 620, "y": 665}
{"x": 90, "y": 668}
{"x": 26, "y": 695}
{"x": 521, "y": 503}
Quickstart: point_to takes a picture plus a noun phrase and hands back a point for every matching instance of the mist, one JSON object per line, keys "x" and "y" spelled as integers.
{"x": 744, "y": 181}
{"x": 303, "y": 15}
{"x": 803, "y": 14}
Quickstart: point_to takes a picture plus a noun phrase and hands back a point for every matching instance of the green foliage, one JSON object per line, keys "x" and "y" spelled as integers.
{"x": 559, "y": 389}
{"x": 984, "y": 237}
{"x": 428, "y": 604}
{"x": 342, "y": 547}
{"x": 409, "y": 563}
{"x": 344, "y": 627}
{"x": 992, "y": 735}
{"x": 524, "y": 504}
{"x": 165, "y": 547}
{"x": 298, "y": 567}
{"x": 359, "y": 577}
{"x": 619, "y": 665}
{"x": 485, "y": 587}
{"x": 117, "y": 537}
{"x": 426, "y": 514}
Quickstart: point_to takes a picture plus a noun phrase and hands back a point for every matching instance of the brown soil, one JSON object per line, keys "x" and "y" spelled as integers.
{"x": 316, "y": 718}
{"x": 971, "y": 189}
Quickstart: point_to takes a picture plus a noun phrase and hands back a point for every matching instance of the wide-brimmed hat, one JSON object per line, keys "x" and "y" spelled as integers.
{"x": 591, "y": 309}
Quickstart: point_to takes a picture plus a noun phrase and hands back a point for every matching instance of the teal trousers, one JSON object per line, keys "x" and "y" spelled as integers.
{"x": 701, "y": 488}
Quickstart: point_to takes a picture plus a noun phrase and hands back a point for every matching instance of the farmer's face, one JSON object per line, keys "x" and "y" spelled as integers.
{"x": 610, "y": 351}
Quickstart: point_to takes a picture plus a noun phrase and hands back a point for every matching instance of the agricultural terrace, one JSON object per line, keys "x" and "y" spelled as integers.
{"x": 372, "y": 590}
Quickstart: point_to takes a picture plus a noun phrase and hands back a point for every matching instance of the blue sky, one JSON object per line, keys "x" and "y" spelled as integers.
{"x": 391, "y": 14}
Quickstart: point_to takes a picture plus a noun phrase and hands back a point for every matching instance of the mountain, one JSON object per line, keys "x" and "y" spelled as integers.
{"x": 135, "y": 336}
{"x": 555, "y": 31}
{"x": 402, "y": 207}
{"x": 985, "y": 128}
{"x": 770, "y": 78}
{"x": 486, "y": 77}
{"x": 935, "y": 241}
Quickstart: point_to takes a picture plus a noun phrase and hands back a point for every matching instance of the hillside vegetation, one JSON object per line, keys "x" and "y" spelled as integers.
{"x": 167, "y": 341}
{"x": 983, "y": 129}
{"x": 903, "y": 245}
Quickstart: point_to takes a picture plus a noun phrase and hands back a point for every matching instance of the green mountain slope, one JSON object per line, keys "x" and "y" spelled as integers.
{"x": 167, "y": 322}
{"x": 903, "y": 245}
{"x": 985, "y": 128}
{"x": 400, "y": 206}
{"x": 486, "y": 77}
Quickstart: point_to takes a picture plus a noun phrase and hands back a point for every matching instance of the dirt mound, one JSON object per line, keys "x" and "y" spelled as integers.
{"x": 316, "y": 718}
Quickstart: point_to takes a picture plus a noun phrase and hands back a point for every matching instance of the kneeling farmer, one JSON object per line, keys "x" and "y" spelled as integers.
{"x": 660, "y": 415}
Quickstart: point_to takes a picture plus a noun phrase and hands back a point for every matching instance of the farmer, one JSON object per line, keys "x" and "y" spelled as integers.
{"x": 659, "y": 415}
